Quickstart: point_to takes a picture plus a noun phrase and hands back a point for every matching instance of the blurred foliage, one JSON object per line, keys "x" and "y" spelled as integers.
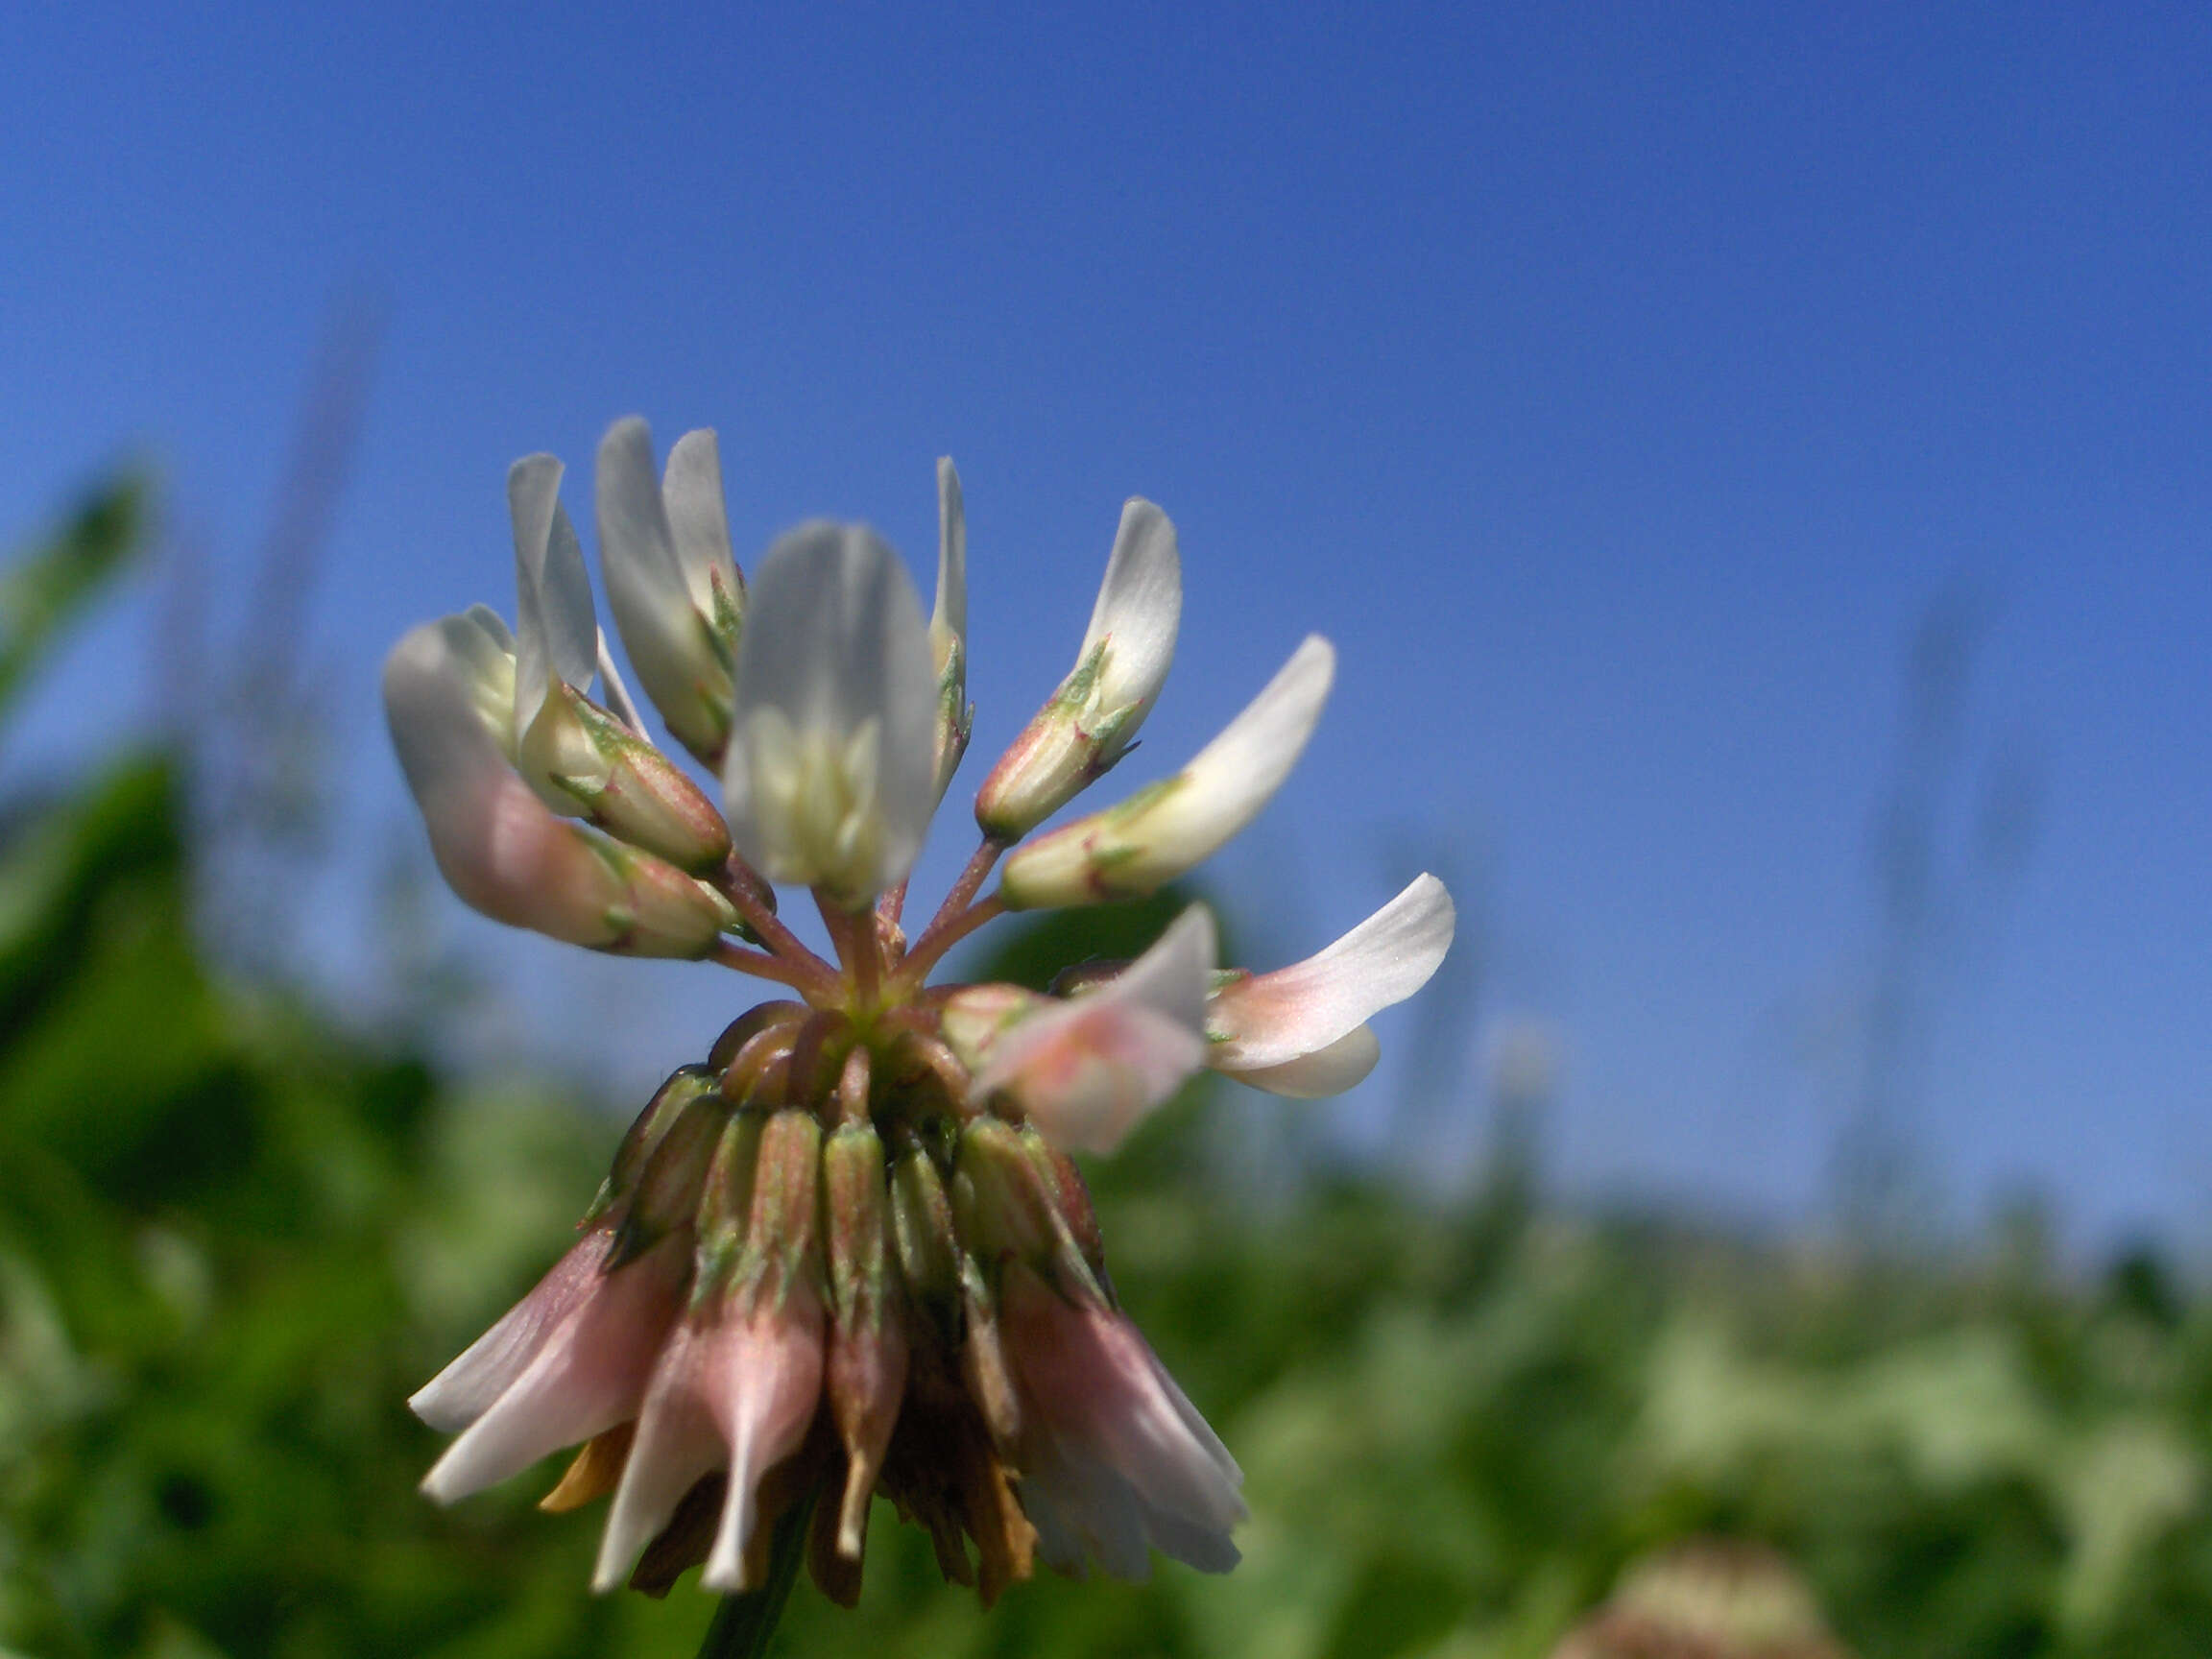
{"x": 234, "y": 1235}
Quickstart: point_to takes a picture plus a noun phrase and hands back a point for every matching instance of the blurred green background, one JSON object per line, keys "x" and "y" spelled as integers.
{"x": 236, "y": 1229}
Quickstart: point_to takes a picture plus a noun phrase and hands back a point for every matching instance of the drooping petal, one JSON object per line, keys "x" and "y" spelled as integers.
{"x": 466, "y": 1390}
{"x": 1092, "y": 719}
{"x": 831, "y": 769}
{"x": 588, "y": 1375}
{"x": 1134, "y": 848}
{"x": 670, "y": 583}
{"x": 497, "y": 844}
{"x": 1087, "y": 1069}
{"x": 1272, "y": 1019}
{"x": 1113, "y": 1452}
{"x": 735, "y": 1393}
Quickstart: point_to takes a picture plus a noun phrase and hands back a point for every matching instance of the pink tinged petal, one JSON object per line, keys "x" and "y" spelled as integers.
{"x": 496, "y": 843}
{"x": 1118, "y": 1446}
{"x": 765, "y": 1416}
{"x": 589, "y": 1374}
{"x": 1344, "y": 1065}
{"x": 1087, "y": 1069}
{"x": 1136, "y": 848}
{"x": 731, "y": 1393}
{"x": 1293, "y": 1012}
{"x": 464, "y": 1390}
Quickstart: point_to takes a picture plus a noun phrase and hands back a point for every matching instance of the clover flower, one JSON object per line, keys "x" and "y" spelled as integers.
{"x": 849, "y": 1254}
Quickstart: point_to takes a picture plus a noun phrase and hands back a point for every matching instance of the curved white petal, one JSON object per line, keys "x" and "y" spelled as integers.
{"x": 949, "y": 618}
{"x": 1134, "y": 848}
{"x": 1087, "y": 1071}
{"x": 556, "y": 634}
{"x": 1090, "y": 722}
{"x": 831, "y": 772}
{"x": 699, "y": 520}
{"x": 1113, "y": 1455}
{"x": 1139, "y": 610}
{"x": 466, "y": 1390}
{"x": 498, "y": 846}
{"x": 587, "y": 1375}
{"x": 1325, "y": 1072}
{"x": 1299, "y": 1010}
{"x": 667, "y": 633}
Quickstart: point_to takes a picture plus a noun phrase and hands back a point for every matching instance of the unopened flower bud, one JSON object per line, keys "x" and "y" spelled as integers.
{"x": 657, "y": 909}
{"x": 672, "y": 1177}
{"x": 975, "y": 1016}
{"x": 782, "y": 1239}
{"x": 866, "y": 1362}
{"x": 1006, "y": 1203}
{"x": 922, "y": 1233}
{"x": 1092, "y": 718}
{"x": 726, "y": 1206}
{"x": 1136, "y": 848}
{"x": 670, "y": 1101}
{"x": 624, "y": 785}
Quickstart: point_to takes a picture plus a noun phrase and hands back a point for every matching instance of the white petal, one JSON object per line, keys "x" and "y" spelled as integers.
{"x": 662, "y": 628}
{"x": 833, "y": 671}
{"x": 556, "y": 637}
{"x": 1314, "y": 1076}
{"x": 950, "y": 618}
{"x": 1139, "y": 610}
{"x": 1137, "y": 847}
{"x": 498, "y": 846}
{"x": 1089, "y": 1070}
{"x": 466, "y": 1390}
{"x": 698, "y": 519}
{"x": 1298, "y": 1010}
{"x": 587, "y": 1376}
{"x": 677, "y": 1441}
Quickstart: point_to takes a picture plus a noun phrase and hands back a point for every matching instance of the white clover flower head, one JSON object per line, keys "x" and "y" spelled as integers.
{"x": 859, "y": 1209}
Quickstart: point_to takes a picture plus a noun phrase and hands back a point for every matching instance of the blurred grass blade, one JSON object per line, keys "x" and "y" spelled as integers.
{"x": 42, "y": 592}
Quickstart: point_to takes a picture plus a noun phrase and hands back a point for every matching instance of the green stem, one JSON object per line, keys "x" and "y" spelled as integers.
{"x": 744, "y": 1622}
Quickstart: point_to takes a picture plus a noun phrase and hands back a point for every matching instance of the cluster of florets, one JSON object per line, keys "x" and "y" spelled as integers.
{"x": 850, "y": 1253}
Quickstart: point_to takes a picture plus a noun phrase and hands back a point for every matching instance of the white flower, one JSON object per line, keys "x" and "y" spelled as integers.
{"x": 1160, "y": 831}
{"x": 1302, "y": 1030}
{"x": 1092, "y": 718}
{"x": 831, "y": 768}
{"x": 671, "y": 580}
{"x": 447, "y": 687}
{"x": 1087, "y": 1069}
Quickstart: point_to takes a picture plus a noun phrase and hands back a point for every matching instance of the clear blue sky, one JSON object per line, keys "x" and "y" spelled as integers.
{"x": 1617, "y": 386}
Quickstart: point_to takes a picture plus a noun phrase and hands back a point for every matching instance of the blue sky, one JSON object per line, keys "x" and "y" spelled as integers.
{"x": 1618, "y": 387}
